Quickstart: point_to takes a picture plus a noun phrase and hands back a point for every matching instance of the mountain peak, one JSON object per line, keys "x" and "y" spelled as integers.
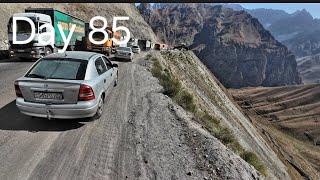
{"x": 303, "y": 13}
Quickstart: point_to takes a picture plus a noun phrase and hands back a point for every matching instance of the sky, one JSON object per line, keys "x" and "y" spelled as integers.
{"x": 312, "y": 8}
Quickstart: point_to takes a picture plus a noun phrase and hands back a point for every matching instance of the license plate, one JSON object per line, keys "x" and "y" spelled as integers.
{"x": 48, "y": 95}
{"x": 20, "y": 50}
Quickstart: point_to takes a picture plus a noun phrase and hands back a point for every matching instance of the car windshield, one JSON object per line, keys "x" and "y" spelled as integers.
{"x": 69, "y": 69}
{"x": 22, "y": 26}
{"x": 124, "y": 48}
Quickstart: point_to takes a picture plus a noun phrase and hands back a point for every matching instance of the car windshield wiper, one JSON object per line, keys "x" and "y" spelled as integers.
{"x": 36, "y": 76}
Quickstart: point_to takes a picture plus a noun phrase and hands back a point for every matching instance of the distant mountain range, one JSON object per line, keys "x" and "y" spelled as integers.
{"x": 299, "y": 31}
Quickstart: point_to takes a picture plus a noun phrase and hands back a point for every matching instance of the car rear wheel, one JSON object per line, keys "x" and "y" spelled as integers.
{"x": 100, "y": 108}
{"x": 116, "y": 81}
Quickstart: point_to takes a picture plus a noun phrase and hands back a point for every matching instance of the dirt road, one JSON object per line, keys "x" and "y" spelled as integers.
{"x": 141, "y": 135}
{"x": 38, "y": 148}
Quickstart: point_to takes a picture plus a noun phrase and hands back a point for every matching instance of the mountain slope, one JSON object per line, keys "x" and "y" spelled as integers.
{"x": 305, "y": 43}
{"x": 299, "y": 30}
{"x": 267, "y": 16}
{"x": 211, "y": 97}
{"x": 309, "y": 68}
{"x": 235, "y": 46}
{"x": 136, "y": 24}
{"x": 290, "y": 117}
{"x": 297, "y": 22}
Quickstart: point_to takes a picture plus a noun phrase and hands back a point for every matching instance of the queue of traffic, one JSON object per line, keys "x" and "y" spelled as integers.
{"x": 70, "y": 33}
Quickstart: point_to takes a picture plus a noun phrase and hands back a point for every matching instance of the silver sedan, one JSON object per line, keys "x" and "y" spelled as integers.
{"x": 124, "y": 53}
{"x": 136, "y": 49}
{"x": 66, "y": 85}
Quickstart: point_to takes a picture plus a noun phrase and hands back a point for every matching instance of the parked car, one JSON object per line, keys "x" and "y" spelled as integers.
{"x": 124, "y": 53}
{"x": 181, "y": 47}
{"x": 136, "y": 49}
{"x": 66, "y": 85}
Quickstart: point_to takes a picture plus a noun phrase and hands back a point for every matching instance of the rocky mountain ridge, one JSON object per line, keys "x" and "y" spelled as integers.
{"x": 267, "y": 16}
{"x": 233, "y": 44}
{"x": 300, "y": 40}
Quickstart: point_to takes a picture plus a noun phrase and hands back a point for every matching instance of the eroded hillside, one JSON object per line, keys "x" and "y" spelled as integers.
{"x": 309, "y": 68}
{"x": 289, "y": 117}
{"x": 211, "y": 98}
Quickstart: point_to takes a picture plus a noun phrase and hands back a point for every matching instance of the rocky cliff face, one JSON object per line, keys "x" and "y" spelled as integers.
{"x": 136, "y": 24}
{"x": 170, "y": 24}
{"x": 233, "y": 44}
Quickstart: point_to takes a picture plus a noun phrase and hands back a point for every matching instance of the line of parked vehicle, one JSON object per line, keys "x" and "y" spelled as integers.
{"x": 73, "y": 84}
{"x": 79, "y": 40}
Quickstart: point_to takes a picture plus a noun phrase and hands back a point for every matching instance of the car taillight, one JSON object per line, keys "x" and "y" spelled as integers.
{"x": 85, "y": 93}
{"x": 17, "y": 89}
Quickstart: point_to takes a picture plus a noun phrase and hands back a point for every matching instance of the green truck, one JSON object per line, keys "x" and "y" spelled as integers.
{"x": 41, "y": 16}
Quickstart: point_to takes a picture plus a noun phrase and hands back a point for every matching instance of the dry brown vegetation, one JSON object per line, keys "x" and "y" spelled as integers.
{"x": 290, "y": 118}
{"x": 295, "y": 109}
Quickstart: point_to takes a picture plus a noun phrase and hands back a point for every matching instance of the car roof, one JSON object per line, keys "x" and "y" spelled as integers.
{"x": 84, "y": 55}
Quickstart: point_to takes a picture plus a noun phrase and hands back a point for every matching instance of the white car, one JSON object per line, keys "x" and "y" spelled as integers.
{"x": 124, "y": 53}
{"x": 136, "y": 49}
{"x": 66, "y": 85}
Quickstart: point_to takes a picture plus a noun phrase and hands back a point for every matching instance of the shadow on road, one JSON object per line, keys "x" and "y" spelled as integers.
{"x": 12, "y": 119}
{"x": 113, "y": 59}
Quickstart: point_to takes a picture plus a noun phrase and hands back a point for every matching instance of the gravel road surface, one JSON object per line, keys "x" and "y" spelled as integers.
{"x": 141, "y": 135}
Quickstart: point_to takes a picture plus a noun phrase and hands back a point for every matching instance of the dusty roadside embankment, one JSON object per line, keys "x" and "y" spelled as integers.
{"x": 170, "y": 144}
{"x": 174, "y": 146}
{"x": 211, "y": 97}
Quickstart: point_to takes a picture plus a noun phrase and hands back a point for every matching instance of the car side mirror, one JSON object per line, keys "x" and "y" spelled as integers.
{"x": 115, "y": 65}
